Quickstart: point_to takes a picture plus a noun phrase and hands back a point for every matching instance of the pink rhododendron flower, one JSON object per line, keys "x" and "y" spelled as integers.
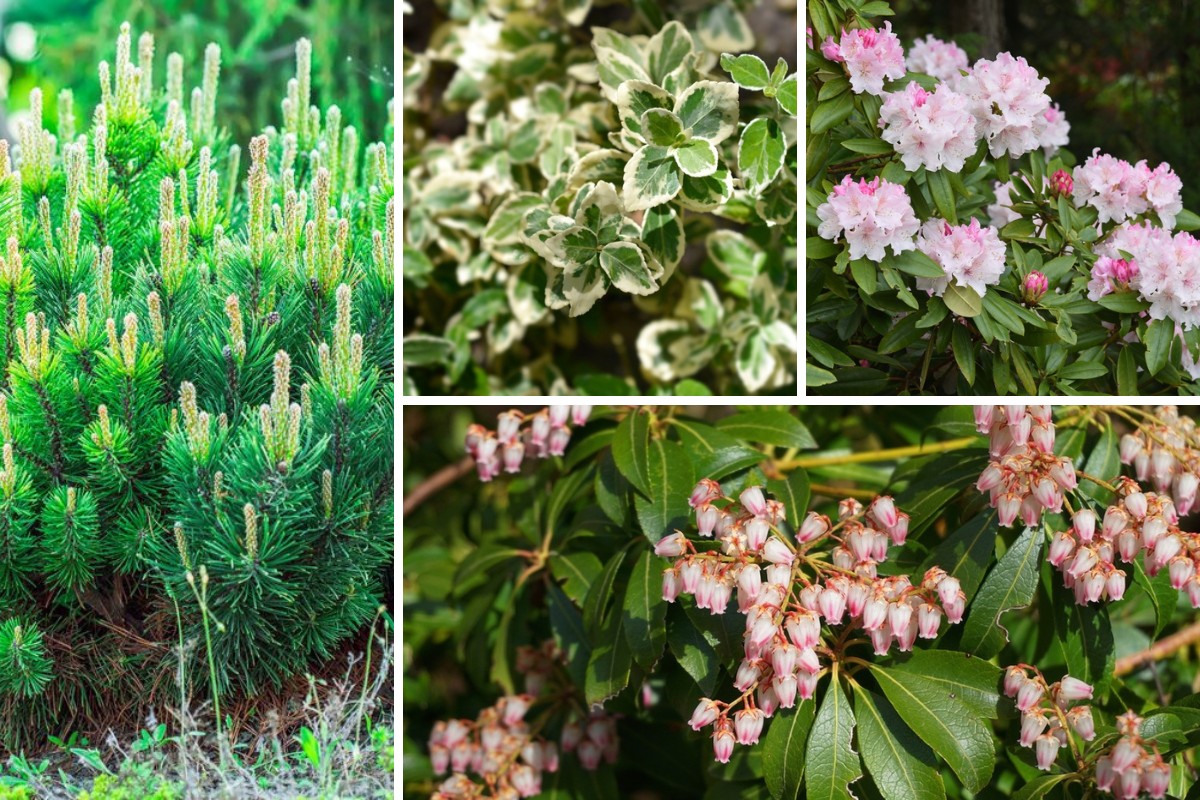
{"x": 1120, "y": 191}
{"x": 1055, "y": 133}
{"x": 969, "y": 254}
{"x": 1009, "y": 102}
{"x": 1163, "y": 189}
{"x": 873, "y": 216}
{"x": 932, "y": 56}
{"x": 1168, "y": 270}
{"x": 929, "y": 129}
{"x": 1110, "y": 275}
{"x": 870, "y": 56}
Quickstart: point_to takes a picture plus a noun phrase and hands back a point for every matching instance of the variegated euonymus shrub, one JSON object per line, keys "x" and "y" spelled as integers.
{"x": 836, "y": 602}
{"x": 196, "y": 379}
{"x": 956, "y": 247}
{"x": 614, "y": 207}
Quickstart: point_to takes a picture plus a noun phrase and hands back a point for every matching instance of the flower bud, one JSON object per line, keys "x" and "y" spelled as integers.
{"x": 983, "y": 418}
{"x": 753, "y": 501}
{"x": 514, "y": 452}
{"x": 806, "y": 684}
{"x": 1046, "y": 749}
{"x": 1080, "y": 719}
{"x": 1029, "y": 695}
{"x": 1181, "y": 568}
{"x": 1007, "y": 507}
{"x": 1156, "y": 779}
{"x": 766, "y": 699}
{"x": 883, "y": 509}
{"x": 1135, "y": 504}
{"x": 748, "y": 725}
{"x": 990, "y": 478}
{"x": 723, "y": 740}
{"x": 589, "y": 755}
{"x": 1114, "y": 585}
{"x": 1186, "y": 484}
{"x": 580, "y": 414}
{"x": 881, "y": 640}
{"x": 1104, "y": 774}
{"x": 671, "y": 546}
{"x": 779, "y": 574}
{"x": 508, "y": 426}
{"x": 832, "y": 605}
{"x": 748, "y": 673}
{"x": 1073, "y": 689}
{"x": 1032, "y": 726}
{"x": 814, "y": 526}
{"x": 1061, "y": 184}
{"x": 785, "y": 687}
{"x": 559, "y": 438}
{"x": 1125, "y": 755}
{"x": 777, "y": 552}
{"x": 757, "y": 531}
{"x": 1062, "y": 547}
{"x": 784, "y": 658}
{"x": 1034, "y": 287}
{"x": 803, "y": 628}
{"x": 706, "y": 491}
{"x": 1084, "y": 522}
{"x": 929, "y": 619}
{"x": 707, "y": 517}
{"x": 670, "y": 585}
{"x": 705, "y": 714}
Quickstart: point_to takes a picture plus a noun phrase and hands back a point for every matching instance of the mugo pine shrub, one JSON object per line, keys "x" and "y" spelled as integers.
{"x": 955, "y": 246}
{"x": 620, "y": 208}
{"x": 986, "y": 605}
{"x": 195, "y": 408}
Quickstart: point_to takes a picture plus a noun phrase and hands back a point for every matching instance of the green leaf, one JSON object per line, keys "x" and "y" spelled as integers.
{"x": 661, "y": 127}
{"x": 625, "y": 265}
{"x": 651, "y": 178}
{"x": 714, "y": 453}
{"x": 602, "y": 594}
{"x": 964, "y": 353}
{"x": 487, "y": 559}
{"x": 421, "y": 349}
{"x": 902, "y": 766}
{"x": 945, "y": 723}
{"x": 1158, "y": 337}
{"x": 793, "y": 493}
{"x": 760, "y": 154}
{"x": 963, "y": 300}
{"x": 696, "y": 157}
{"x": 1009, "y": 585}
{"x": 754, "y": 361}
{"x": 709, "y": 109}
{"x": 669, "y": 482}
{"x": 1083, "y": 370}
{"x": 783, "y": 750}
{"x": 943, "y": 195}
{"x": 645, "y": 610}
{"x": 569, "y": 633}
{"x": 1162, "y": 596}
{"x": 768, "y": 427}
{"x": 870, "y": 147}
{"x": 829, "y": 113}
{"x": 667, "y": 50}
{"x": 635, "y": 98}
{"x": 831, "y": 763}
{"x": 1127, "y": 371}
{"x": 630, "y": 443}
{"x": 1104, "y": 462}
{"x": 692, "y": 650}
{"x": 748, "y": 71}
{"x": 972, "y": 681}
{"x": 1186, "y": 221}
{"x": 610, "y": 664}
{"x": 786, "y": 96}
{"x": 506, "y": 221}
{"x": 1040, "y": 786}
{"x": 1124, "y": 302}
{"x": 576, "y": 572}
{"x": 914, "y": 262}
{"x": 662, "y": 233}
{"x": 967, "y": 553}
{"x": 1085, "y": 635}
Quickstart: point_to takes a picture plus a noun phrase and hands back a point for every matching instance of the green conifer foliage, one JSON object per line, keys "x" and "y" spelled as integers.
{"x": 197, "y": 389}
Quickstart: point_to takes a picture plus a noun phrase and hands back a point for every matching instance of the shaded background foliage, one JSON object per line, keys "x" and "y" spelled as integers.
{"x": 1126, "y": 74}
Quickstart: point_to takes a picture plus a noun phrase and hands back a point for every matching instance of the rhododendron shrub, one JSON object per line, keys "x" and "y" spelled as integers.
{"x": 824, "y": 602}
{"x": 954, "y": 244}
{"x": 600, "y": 203}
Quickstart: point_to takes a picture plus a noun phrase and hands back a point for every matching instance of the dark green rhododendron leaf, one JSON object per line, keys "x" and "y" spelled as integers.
{"x": 783, "y": 750}
{"x": 645, "y": 628}
{"x": 902, "y": 766}
{"x": 629, "y": 449}
{"x": 768, "y": 426}
{"x": 670, "y": 479}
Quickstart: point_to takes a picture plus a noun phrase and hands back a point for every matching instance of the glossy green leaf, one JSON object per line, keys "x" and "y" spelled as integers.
{"x": 794, "y": 493}
{"x": 575, "y": 572}
{"x": 1009, "y": 585}
{"x": 630, "y": 444}
{"x": 747, "y": 70}
{"x": 830, "y": 762}
{"x": 661, "y": 127}
{"x": 709, "y": 109}
{"x": 784, "y": 750}
{"x": 901, "y": 765}
{"x": 943, "y": 195}
{"x": 963, "y": 300}
{"x": 768, "y": 427}
{"x": 713, "y": 452}
{"x": 669, "y": 482}
{"x": 760, "y": 154}
{"x": 830, "y": 113}
{"x": 1158, "y": 337}
{"x": 692, "y": 650}
{"x": 1085, "y": 635}
{"x": 566, "y": 623}
{"x": 645, "y": 609}
{"x": 971, "y": 681}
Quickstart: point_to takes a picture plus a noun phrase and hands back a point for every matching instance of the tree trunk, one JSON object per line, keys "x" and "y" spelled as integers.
{"x": 984, "y": 18}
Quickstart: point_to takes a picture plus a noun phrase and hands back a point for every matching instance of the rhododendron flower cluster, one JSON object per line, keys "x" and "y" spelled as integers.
{"x": 1009, "y": 103}
{"x": 929, "y": 129}
{"x": 1168, "y": 269}
{"x": 1133, "y": 764}
{"x": 789, "y": 587}
{"x": 1161, "y": 452}
{"x": 1111, "y": 275}
{"x": 546, "y": 433}
{"x": 1046, "y": 711}
{"x": 932, "y": 56}
{"x": 1024, "y": 477}
{"x": 870, "y": 56}
{"x": 1120, "y": 191}
{"x": 873, "y": 215}
{"x": 970, "y": 255}
{"x": 1056, "y": 133}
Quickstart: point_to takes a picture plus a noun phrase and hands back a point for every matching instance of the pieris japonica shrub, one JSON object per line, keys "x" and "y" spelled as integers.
{"x": 915, "y": 603}
{"x": 196, "y": 395}
{"x": 955, "y": 246}
{"x": 598, "y": 201}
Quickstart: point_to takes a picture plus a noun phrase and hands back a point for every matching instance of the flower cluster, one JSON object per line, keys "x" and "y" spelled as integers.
{"x": 592, "y": 738}
{"x": 929, "y": 129}
{"x": 1056, "y": 134}
{"x": 1133, "y": 765}
{"x": 1009, "y": 103}
{"x": 969, "y": 255}
{"x": 787, "y": 587}
{"x": 1167, "y": 273}
{"x": 1161, "y": 452}
{"x": 1111, "y": 275}
{"x": 1046, "y": 711}
{"x": 1086, "y": 561}
{"x": 498, "y": 747}
{"x": 932, "y": 56}
{"x": 547, "y": 434}
{"x": 872, "y": 216}
{"x": 1120, "y": 191}
{"x": 870, "y": 56}
{"x": 1024, "y": 477}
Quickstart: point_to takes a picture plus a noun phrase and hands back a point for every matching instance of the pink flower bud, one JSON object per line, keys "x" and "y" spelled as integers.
{"x": 1041, "y": 437}
{"x": 1080, "y": 719}
{"x": 883, "y": 509}
{"x": 1181, "y": 570}
{"x": 1153, "y": 529}
{"x": 707, "y": 517}
{"x": 705, "y": 714}
{"x": 559, "y": 438}
{"x": 757, "y": 531}
{"x": 719, "y": 599}
{"x": 670, "y": 585}
{"x": 1104, "y": 774}
{"x": 1114, "y": 585}
{"x": 808, "y": 662}
{"x": 881, "y": 640}
{"x": 1156, "y": 779}
{"x": 748, "y": 725}
{"x": 753, "y": 501}
{"x": 856, "y": 598}
{"x": 514, "y": 452}
{"x": 1084, "y": 523}
{"x": 706, "y": 491}
{"x": 1020, "y": 429}
{"x": 1166, "y": 548}
{"x": 1032, "y": 726}
{"x": 760, "y": 625}
{"x": 983, "y": 418}
{"x": 784, "y": 658}
{"x": 525, "y": 780}
{"x": 508, "y": 426}
{"x": 749, "y": 580}
{"x": 990, "y": 478}
{"x": 899, "y": 531}
{"x": 1048, "y": 494}
{"x": 806, "y": 684}
{"x": 558, "y": 415}
{"x": 671, "y": 546}
{"x": 814, "y": 526}
{"x": 929, "y": 619}
{"x": 780, "y": 574}
{"x": 690, "y": 574}
{"x": 1125, "y": 755}
{"x": 748, "y": 673}
{"x": 580, "y": 414}
{"x": 1186, "y": 484}
{"x": 777, "y": 552}
{"x": 956, "y": 608}
{"x": 766, "y": 699}
{"x": 1064, "y": 475}
{"x": 803, "y": 628}
{"x": 908, "y": 637}
{"x": 440, "y": 757}
{"x": 1046, "y": 749}
{"x": 1128, "y": 545}
{"x": 875, "y": 613}
{"x": 572, "y": 735}
{"x": 1062, "y": 546}
{"x": 1029, "y": 695}
{"x": 1008, "y": 505}
{"x": 849, "y": 508}
{"x": 476, "y": 433}
{"x": 1084, "y": 560}
{"x": 1135, "y": 504}
{"x": 1129, "y": 448}
{"x": 1061, "y": 184}
{"x": 1034, "y": 287}
{"x": 785, "y": 687}
{"x": 1031, "y": 510}
{"x": 899, "y": 614}
{"x": 1070, "y": 689}
{"x": 832, "y": 605}
{"x": 831, "y": 50}
{"x": 1093, "y": 586}
{"x": 515, "y": 707}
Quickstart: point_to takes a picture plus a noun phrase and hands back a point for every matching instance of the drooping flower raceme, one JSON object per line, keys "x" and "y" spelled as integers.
{"x": 1120, "y": 191}
{"x": 1009, "y": 103}
{"x": 1164, "y": 453}
{"x": 870, "y": 56}
{"x": 1133, "y": 765}
{"x": 929, "y": 129}
{"x": 873, "y": 216}
{"x": 1168, "y": 269}
{"x": 932, "y": 56}
{"x": 546, "y": 434}
{"x": 786, "y": 586}
{"x": 969, "y": 254}
{"x": 1024, "y": 477}
{"x": 1046, "y": 711}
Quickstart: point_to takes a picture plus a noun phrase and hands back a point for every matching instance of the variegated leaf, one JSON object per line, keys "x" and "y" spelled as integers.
{"x": 709, "y": 109}
{"x": 722, "y": 28}
{"x": 574, "y": 247}
{"x": 755, "y": 361}
{"x": 735, "y": 255}
{"x": 701, "y": 302}
{"x": 748, "y": 71}
{"x": 626, "y": 267}
{"x": 696, "y": 157}
{"x": 601, "y": 212}
{"x": 661, "y": 127}
{"x": 760, "y": 154}
{"x": 651, "y": 178}
{"x": 575, "y": 11}
{"x": 786, "y": 96}
{"x": 598, "y": 165}
{"x": 666, "y": 50}
{"x": 705, "y": 194}
{"x": 614, "y": 69}
{"x": 635, "y": 98}
{"x": 505, "y": 224}
{"x": 662, "y": 233}
{"x": 583, "y": 286}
